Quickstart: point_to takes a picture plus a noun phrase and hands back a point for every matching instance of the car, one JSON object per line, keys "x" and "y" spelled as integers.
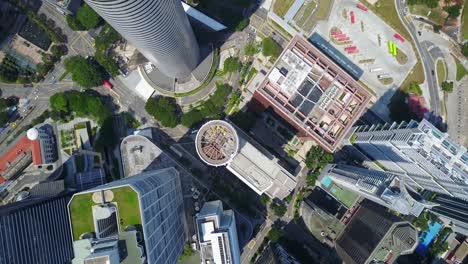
{"x": 432, "y": 72}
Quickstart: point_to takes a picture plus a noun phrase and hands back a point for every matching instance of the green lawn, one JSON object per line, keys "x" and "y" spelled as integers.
{"x": 435, "y": 14}
{"x": 127, "y": 202}
{"x": 82, "y": 216}
{"x": 464, "y": 28}
{"x": 320, "y": 14}
{"x": 461, "y": 71}
{"x": 304, "y": 13}
{"x": 345, "y": 196}
{"x": 441, "y": 72}
{"x": 281, "y": 7}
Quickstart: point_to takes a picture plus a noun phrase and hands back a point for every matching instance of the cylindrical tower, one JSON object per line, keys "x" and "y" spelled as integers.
{"x": 159, "y": 29}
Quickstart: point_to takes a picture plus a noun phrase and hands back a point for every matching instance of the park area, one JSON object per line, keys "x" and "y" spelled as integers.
{"x": 81, "y": 215}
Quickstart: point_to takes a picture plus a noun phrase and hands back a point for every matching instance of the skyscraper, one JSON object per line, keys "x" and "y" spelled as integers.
{"x": 430, "y": 158}
{"x": 373, "y": 235}
{"x": 217, "y": 234}
{"x": 384, "y": 188}
{"x": 35, "y": 231}
{"x": 146, "y": 207}
{"x": 159, "y": 29}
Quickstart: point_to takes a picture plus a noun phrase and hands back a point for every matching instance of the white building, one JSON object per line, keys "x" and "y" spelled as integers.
{"x": 217, "y": 234}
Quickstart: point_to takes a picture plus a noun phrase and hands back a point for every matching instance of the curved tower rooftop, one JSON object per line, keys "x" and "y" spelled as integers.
{"x": 159, "y": 29}
{"x": 217, "y": 143}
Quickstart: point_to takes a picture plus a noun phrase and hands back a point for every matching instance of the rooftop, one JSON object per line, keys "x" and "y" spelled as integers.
{"x": 217, "y": 142}
{"x": 81, "y": 214}
{"x": 138, "y": 152}
{"x": 312, "y": 93}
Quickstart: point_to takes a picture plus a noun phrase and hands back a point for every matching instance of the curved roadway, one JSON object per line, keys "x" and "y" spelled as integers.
{"x": 428, "y": 63}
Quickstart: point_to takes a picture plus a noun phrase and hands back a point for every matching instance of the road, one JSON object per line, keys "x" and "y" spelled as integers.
{"x": 428, "y": 63}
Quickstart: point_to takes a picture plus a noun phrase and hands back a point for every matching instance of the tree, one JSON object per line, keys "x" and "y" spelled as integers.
{"x": 453, "y": 11}
{"x": 278, "y": 209}
{"x": 312, "y": 178}
{"x": 3, "y": 104}
{"x": 242, "y": 24}
{"x": 275, "y": 234}
{"x": 59, "y": 102}
{"x": 74, "y": 24}
{"x": 317, "y": 158}
{"x": 3, "y": 118}
{"x": 465, "y": 49}
{"x": 163, "y": 109}
{"x": 447, "y": 86}
{"x": 265, "y": 199}
{"x": 84, "y": 72}
{"x": 231, "y": 64}
{"x": 270, "y": 48}
{"x": 413, "y": 88}
{"x": 57, "y": 51}
{"x": 87, "y": 17}
{"x": 251, "y": 48}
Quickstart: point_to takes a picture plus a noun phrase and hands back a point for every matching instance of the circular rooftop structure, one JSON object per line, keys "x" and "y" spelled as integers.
{"x": 217, "y": 143}
{"x": 32, "y": 134}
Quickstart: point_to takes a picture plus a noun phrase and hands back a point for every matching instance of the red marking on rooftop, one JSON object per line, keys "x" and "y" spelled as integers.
{"x": 22, "y": 146}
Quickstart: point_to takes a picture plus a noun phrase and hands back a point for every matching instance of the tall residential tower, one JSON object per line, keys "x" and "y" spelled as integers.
{"x": 159, "y": 29}
{"x": 430, "y": 158}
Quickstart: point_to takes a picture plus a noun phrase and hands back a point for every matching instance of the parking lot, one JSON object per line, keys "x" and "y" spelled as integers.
{"x": 370, "y": 35}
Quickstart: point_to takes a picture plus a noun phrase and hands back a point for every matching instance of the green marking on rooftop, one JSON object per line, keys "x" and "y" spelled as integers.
{"x": 81, "y": 214}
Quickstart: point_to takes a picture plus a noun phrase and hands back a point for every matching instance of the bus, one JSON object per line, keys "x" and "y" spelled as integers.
{"x": 108, "y": 84}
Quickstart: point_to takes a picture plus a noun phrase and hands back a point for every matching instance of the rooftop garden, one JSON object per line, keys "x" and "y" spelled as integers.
{"x": 81, "y": 214}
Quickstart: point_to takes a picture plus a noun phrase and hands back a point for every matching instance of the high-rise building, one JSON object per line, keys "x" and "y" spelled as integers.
{"x": 217, "y": 234}
{"x": 218, "y": 143}
{"x": 430, "y": 158}
{"x": 452, "y": 210}
{"x": 160, "y": 30}
{"x": 384, "y": 188}
{"x": 132, "y": 220}
{"x": 35, "y": 231}
{"x": 373, "y": 235}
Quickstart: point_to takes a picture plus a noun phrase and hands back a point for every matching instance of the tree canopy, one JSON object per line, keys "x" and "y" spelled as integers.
{"x": 453, "y": 11}
{"x": 87, "y": 17}
{"x": 447, "y": 86}
{"x": 231, "y": 64}
{"x": 270, "y": 48}
{"x": 84, "y": 72}
{"x": 317, "y": 158}
{"x": 164, "y": 110}
{"x": 251, "y": 48}
{"x": 275, "y": 234}
{"x": 242, "y": 24}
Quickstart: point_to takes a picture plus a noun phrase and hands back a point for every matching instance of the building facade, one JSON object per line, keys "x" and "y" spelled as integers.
{"x": 160, "y": 30}
{"x": 217, "y": 234}
{"x": 159, "y": 203}
{"x": 35, "y": 231}
{"x": 430, "y": 158}
{"x": 384, "y": 188}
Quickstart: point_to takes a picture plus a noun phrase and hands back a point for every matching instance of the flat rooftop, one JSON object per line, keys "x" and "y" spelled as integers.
{"x": 260, "y": 170}
{"x": 313, "y": 94}
{"x": 81, "y": 212}
{"x": 217, "y": 142}
{"x": 138, "y": 153}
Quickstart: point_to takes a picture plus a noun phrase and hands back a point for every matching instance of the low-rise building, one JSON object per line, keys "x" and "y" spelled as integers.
{"x": 312, "y": 93}
{"x": 217, "y": 234}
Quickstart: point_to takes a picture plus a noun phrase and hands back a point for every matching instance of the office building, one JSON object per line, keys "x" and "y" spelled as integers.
{"x": 160, "y": 30}
{"x": 218, "y": 143}
{"x": 384, "y": 188}
{"x": 375, "y": 236}
{"x": 133, "y": 220}
{"x": 35, "y": 230}
{"x": 430, "y": 158}
{"x": 313, "y": 94}
{"x": 217, "y": 234}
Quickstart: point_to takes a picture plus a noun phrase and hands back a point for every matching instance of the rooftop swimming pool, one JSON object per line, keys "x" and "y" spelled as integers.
{"x": 427, "y": 236}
